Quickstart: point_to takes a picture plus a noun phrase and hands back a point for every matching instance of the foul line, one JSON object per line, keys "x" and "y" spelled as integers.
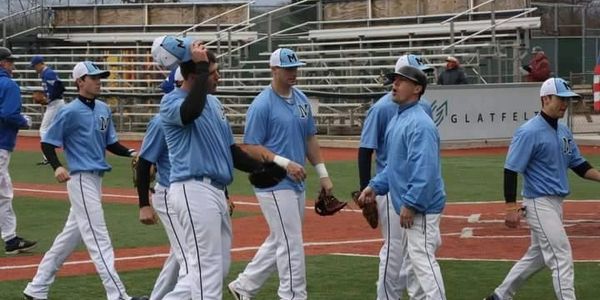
{"x": 462, "y": 259}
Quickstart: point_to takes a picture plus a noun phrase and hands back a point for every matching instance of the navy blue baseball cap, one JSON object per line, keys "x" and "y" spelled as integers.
{"x": 285, "y": 58}
{"x": 36, "y": 60}
{"x": 88, "y": 68}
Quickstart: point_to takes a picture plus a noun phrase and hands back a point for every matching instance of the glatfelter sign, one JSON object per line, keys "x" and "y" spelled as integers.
{"x": 494, "y": 111}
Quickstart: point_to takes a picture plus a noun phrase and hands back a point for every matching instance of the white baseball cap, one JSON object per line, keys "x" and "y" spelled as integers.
{"x": 559, "y": 87}
{"x": 178, "y": 76}
{"x": 285, "y": 58}
{"x": 88, "y": 68}
{"x": 169, "y": 51}
{"x": 407, "y": 60}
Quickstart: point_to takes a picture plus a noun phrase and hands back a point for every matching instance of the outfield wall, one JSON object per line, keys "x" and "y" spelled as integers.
{"x": 482, "y": 112}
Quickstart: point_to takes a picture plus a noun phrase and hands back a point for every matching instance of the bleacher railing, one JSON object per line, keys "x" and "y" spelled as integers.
{"x": 21, "y": 22}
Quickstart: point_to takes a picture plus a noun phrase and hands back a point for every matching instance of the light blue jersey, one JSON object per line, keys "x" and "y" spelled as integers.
{"x": 413, "y": 174}
{"x": 543, "y": 155}
{"x": 376, "y": 123}
{"x": 199, "y": 149}
{"x": 154, "y": 149}
{"x": 84, "y": 134}
{"x": 282, "y": 126}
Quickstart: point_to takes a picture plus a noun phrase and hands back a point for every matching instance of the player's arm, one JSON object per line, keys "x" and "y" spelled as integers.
{"x": 244, "y": 161}
{"x": 313, "y": 153}
{"x": 585, "y": 170}
{"x": 364, "y": 166}
{"x": 147, "y": 215}
{"x": 194, "y": 102}
{"x": 61, "y": 174}
{"x": 120, "y": 150}
{"x": 10, "y": 114}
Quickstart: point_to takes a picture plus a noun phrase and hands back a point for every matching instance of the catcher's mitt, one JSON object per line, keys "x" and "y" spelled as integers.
{"x": 39, "y": 98}
{"x": 134, "y": 163}
{"x": 327, "y": 205}
{"x": 369, "y": 210}
{"x": 268, "y": 175}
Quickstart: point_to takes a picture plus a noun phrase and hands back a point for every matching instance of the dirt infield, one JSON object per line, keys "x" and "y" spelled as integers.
{"x": 469, "y": 231}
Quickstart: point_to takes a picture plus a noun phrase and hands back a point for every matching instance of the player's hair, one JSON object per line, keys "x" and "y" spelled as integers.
{"x": 189, "y": 67}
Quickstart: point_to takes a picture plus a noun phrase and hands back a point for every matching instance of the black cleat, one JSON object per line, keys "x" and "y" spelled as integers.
{"x": 27, "y": 297}
{"x": 18, "y": 245}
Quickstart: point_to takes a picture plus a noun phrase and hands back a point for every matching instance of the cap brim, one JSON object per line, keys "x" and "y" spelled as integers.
{"x": 425, "y": 68}
{"x": 390, "y": 77}
{"x": 568, "y": 95}
{"x": 289, "y": 66}
{"x": 101, "y": 74}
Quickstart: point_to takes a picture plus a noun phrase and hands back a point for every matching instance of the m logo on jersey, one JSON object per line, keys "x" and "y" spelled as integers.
{"x": 303, "y": 109}
{"x": 103, "y": 123}
{"x": 566, "y": 146}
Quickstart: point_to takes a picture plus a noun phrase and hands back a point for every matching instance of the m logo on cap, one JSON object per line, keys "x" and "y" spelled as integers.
{"x": 567, "y": 86}
{"x": 292, "y": 57}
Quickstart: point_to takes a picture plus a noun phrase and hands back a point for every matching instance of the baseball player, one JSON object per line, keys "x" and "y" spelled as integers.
{"x": 542, "y": 150}
{"x": 84, "y": 129}
{"x": 154, "y": 151}
{"x": 392, "y": 277}
{"x": 11, "y": 120}
{"x": 280, "y": 122}
{"x": 196, "y": 130}
{"x": 413, "y": 178}
{"x": 53, "y": 90}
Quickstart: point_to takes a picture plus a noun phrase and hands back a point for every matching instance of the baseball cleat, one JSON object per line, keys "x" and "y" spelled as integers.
{"x": 491, "y": 297}
{"x": 140, "y": 298}
{"x": 27, "y": 297}
{"x": 18, "y": 245}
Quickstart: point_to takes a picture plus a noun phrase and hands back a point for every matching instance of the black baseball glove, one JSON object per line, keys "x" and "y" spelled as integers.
{"x": 268, "y": 175}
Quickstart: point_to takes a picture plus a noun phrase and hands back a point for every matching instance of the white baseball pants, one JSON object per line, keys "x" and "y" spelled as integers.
{"x": 283, "y": 250}
{"x": 392, "y": 276}
{"x": 421, "y": 241}
{"x": 85, "y": 221}
{"x": 8, "y": 220}
{"x": 204, "y": 215}
{"x": 549, "y": 247}
{"x": 51, "y": 111}
{"x": 176, "y": 265}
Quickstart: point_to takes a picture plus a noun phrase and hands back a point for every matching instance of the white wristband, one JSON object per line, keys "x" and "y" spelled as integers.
{"x": 321, "y": 170}
{"x": 132, "y": 153}
{"x": 281, "y": 161}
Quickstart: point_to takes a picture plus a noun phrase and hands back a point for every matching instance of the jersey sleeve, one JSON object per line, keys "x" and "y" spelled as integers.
{"x": 56, "y": 131}
{"x": 153, "y": 144}
{"x": 380, "y": 183}
{"x": 371, "y": 130}
{"x": 111, "y": 133}
{"x": 311, "y": 127}
{"x": 170, "y": 111}
{"x": 520, "y": 151}
{"x": 575, "y": 159}
{"x": 257, "y": 122}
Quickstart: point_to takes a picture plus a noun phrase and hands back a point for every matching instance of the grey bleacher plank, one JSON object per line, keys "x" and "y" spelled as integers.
{"x": 387, "y": 41}
{"x": 394, "y": 49}
{"x": 420, "y": 29}
{"x": 145, "y": 36}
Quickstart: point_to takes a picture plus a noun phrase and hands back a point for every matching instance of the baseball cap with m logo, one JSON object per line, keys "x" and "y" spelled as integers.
{"x": 285, "y": 58}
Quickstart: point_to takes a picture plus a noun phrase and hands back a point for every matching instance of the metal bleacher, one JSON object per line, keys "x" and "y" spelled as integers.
{"x": 345, "y": 58}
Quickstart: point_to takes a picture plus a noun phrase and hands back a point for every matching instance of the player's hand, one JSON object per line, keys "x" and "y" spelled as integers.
{"x": 407, "y": 217}
{"x": 326, "y": 185}
{"x": 296, "y": 171}
{"x": 199, "y": 52}
{"x": 367, "y": 196}
{"x": 512, "y": 219}
{"x": 61, "y": 174}
{"x": 230, "y": 206}
{"x": 147, "y": 215}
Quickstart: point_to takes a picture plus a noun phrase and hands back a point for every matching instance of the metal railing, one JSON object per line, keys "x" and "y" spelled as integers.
{"x": 184, "y": 32}
{"x": 21, "y": 16}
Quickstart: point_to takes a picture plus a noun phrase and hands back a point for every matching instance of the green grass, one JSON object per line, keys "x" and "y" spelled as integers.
{"x": 44, "y": 220}
{"x": 477, "y": 178}
{"x": 342, "y": 278}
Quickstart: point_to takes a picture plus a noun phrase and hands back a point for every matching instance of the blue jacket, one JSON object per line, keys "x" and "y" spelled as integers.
{"x": 10, "y": 111}
{"x": 413, "y": 174}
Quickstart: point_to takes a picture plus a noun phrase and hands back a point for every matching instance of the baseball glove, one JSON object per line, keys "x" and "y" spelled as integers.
{"x": 39, "y": 98}
{"x": 369, "y": 210}
{"x": 327, "y": 205}
{"x": 268, "y": 175}
{"x": 134, "y": 163}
